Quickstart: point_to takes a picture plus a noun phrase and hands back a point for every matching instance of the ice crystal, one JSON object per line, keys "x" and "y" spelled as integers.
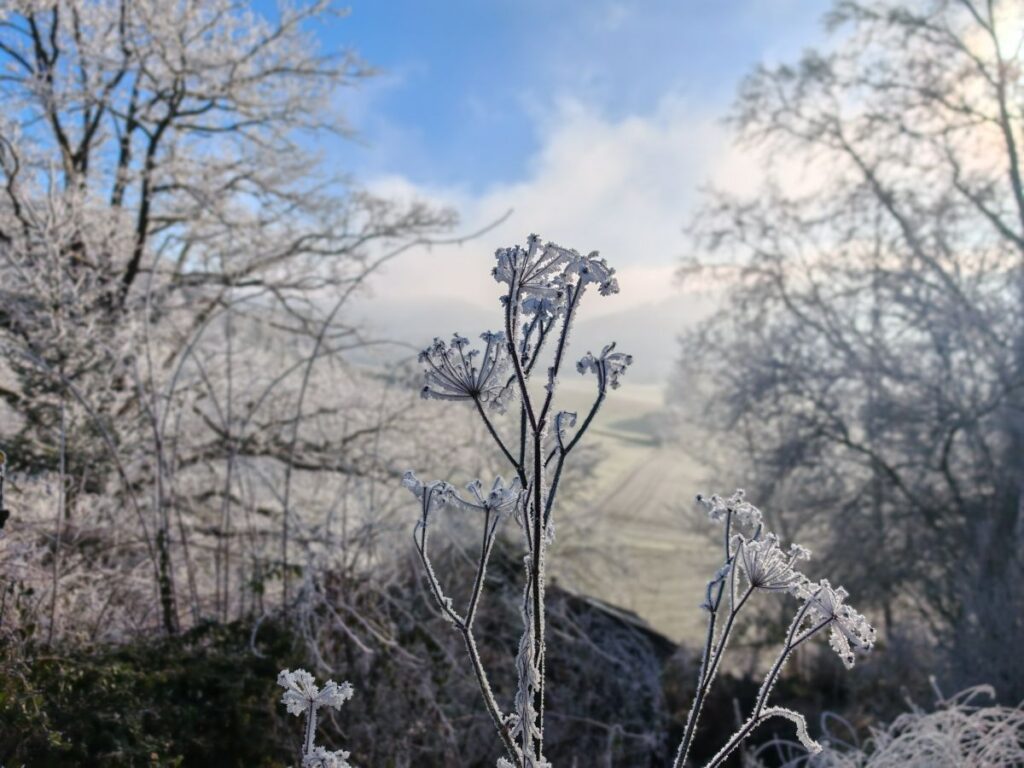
{"x": 455, "y": 372}
{"x": 609, "y": 365}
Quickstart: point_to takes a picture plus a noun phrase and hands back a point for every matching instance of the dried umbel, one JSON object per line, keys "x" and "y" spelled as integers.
{"x": 455, "y": 372}
{"x": 302, "y": 696}
{"x": 544, "y": 285}
{"x": 757, "y": 554}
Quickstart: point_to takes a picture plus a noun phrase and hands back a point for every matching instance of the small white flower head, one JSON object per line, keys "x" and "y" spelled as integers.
{"x": 320, "y": 757}
{"x": 301, "y": 692}
{"x": 437, "y": 493}
{"x": 767, "y": 566}
{"x": 594, "y": 269}
{"x": 609, "y": 366}
{"x": 455, "y": 372}
{"x": 797, "y": 552}
{"x": 536, "y": 270}
{"x": 500, "y": 499}
{"x": 742, "y": 511}
{"x": 849, "y": 631}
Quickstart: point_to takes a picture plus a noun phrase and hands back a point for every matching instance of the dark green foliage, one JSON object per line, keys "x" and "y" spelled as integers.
{"x": 204, "y": 700}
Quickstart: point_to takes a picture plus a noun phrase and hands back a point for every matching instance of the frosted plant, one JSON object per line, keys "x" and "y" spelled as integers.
{"x": 960, "y": 732}
{"x": 757, "y": 554}
{"x": 303, "y": 697}
{"x": 543, "y": 287}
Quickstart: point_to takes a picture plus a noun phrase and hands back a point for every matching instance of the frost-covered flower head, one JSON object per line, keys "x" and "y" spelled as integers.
{"x": 609, "y": 366}
{"x": 541, "y": 274}
{"x": 768, "y": 567}
{"x": 500, "y": 499}
{"x": 456, "y": 373}
{"x": 594, "y": 269}
{"x": 849, "y": 630}
{"x": 433, "y": 494}
{"x": 301, "y": 692}
{"x": 320, "y": 757}
{"x": 742, "y": 511}
{"x": 536, "y": 270}
{"x": 303, "y": 697}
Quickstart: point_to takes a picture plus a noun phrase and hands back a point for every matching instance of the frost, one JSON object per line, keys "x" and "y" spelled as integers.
{"x": 320, "y": 757}
{"x": 735, "y": 507}
{"x": 767, "y": 568}
{"x": 500, "y": 499}
{"x": 303, "y": 697}
{"x": 609, "y": 366}
{"x": 593, "y": 269}
{"x": 545, "y": 284}
{"x": 849, "y": 631}
{"x": 455, "y": 373}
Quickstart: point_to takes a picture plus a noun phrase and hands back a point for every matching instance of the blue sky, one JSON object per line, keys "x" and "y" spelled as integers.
{"x": 464, "y": 88}
{"x": 595, "y": 123}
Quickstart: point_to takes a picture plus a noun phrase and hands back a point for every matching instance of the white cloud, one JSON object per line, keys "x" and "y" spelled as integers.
{"x": 626, "y": 188}
{"x": 623, "y": 187}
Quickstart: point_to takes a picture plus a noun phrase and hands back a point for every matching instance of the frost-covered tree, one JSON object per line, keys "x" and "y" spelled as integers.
{"x": 543, "y": 287}
{"x": 174, "y": 270}
{"x": 867, "y": 365}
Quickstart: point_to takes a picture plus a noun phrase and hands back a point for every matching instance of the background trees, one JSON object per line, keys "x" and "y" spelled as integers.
{"x": 868, "y": 364}
{"x": 174, "y": 269}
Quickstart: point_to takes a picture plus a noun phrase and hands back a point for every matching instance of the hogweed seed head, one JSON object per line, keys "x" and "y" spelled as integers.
{"x": 594, "y": 269}
{"x": 303, "y": 697}
{"x": 609, "y": 365}
{"x": 767, "y": 567}
{"x": 320, "y": 757}
{"x": 301, "y": 692}
{"x": 849, "y": 631}
{"x": 455, "y": 372}
{"x": 500, "y": 499}
{"x": 742, "y": 511}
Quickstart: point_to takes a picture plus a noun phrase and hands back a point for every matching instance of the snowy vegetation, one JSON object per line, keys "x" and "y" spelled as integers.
{"x": 545, "y": 286}
{"x": 964, "y": 730}
{"x": 201, "y": 473}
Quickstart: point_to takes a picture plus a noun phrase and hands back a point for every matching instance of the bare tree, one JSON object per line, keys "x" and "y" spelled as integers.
{"x": 868, "y": 363}
{"x": 174, "y": 269}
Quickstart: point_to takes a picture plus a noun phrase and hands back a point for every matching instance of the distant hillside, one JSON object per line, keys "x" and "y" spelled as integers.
{"x": 647, "y": 331}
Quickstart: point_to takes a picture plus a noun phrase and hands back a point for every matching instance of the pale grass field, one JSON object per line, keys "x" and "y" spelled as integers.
{"x": 642, "y": 517}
